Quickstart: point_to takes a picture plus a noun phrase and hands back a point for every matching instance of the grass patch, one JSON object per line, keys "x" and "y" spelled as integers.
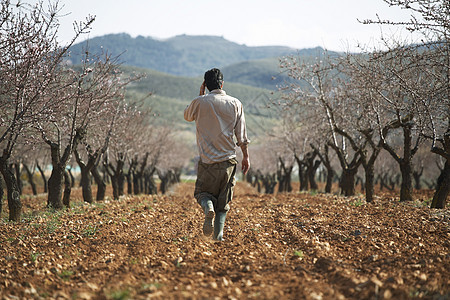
{"x": 356, "y": 203}
{"x": 34, "y": 256}
{"x": 90, "y": 230}
{"x": 122, "y": 294}
{"x": 65, "y": 275}
{"x": 299, "y": 253}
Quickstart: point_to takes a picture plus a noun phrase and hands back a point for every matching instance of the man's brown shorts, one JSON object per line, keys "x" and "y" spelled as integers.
{"x": 216, "y": 182}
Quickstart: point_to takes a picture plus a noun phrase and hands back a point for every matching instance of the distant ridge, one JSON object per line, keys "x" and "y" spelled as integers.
{"x": 190, "y": 56}
{"x": 181, "y": 55}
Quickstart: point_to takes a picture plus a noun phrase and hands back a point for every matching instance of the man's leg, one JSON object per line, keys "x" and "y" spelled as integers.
{"x": 225, "y": 197}
{"x": 208, "y": 208}
{"x": 219, "y": 223}
{"x": 205, "y": 189}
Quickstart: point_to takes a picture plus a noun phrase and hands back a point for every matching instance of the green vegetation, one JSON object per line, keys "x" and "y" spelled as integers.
{"x": 120, "y": 294}
{"x": 299, "y": 253}
{"x": 357, "y": 202}
{"x": 34, "y": 256}
{"x": 266, "y": 73}
{"x": 53, "y": 221}
{"x": 65, "y": 275}
{"x": 171, "y": 94}
{"x": 90, "y": 230}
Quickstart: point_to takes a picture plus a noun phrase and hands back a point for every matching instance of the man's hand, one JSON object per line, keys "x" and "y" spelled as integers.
{"x": 245, "y": 159}
{"x": 245, "y": 165}
{"x": 202, "y": 89}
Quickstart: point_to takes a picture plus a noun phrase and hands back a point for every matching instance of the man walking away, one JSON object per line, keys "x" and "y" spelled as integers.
{"x": 218, "y": 118}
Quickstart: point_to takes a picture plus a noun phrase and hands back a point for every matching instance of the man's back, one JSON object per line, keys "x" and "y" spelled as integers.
{"x": 218, "y": 117}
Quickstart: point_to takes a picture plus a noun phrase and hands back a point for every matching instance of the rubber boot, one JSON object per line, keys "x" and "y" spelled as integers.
{"x": 208, "y": 208}
{"x": 219, "y": 223}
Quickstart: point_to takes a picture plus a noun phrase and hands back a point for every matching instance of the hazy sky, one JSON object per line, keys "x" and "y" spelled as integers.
{"x": 331, "y": 24}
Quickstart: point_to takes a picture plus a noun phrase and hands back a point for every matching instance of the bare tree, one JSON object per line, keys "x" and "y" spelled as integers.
{"x": 88, "y": 95}
{"x": 431, "y": 58}
{"x": 319, "y": 91}
{"x": 295, "y": 139}
{"x": 135, "y": 149}
{"x": 99, "y": 130}
{"x": 30, "y": 63}
{"x": 264, "y": 165}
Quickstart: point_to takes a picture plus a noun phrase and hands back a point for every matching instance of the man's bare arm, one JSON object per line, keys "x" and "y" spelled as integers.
{"x": 245, "y": 159}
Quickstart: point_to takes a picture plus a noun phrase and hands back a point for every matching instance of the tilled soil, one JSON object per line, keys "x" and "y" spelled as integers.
{"x": 285, "y": 246}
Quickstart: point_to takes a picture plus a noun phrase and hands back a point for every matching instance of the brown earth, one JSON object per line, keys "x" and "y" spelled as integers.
{"x": 287, "y": 246}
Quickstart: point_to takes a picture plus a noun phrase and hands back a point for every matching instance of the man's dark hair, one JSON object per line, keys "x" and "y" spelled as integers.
{"x": 213, "y": 79}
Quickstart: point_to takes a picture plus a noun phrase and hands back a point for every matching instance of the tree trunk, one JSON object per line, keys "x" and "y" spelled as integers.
{"x": 115, "y": 186}
{"x": 442, "y": 188}
{"x": 18, "y": 177}
{"x": 44, "y": 179}
{"x": 325, "y": 159}
{"x": 101, "y": 185}
{"x": 369, "y": 184}
{"x": 269, "y": 183}
{"x": 86, "y": 178}
{"x": 164, "y": 183}
{"x": 121, "y": 183}
{"x": 406, "y": 185}
{"x": 404, "y": 163}
{"x": 55, "y": 182}
{"x": 30, "y": 179}
{"x": 12, "y": 191}
{"x": 284, "y": 177}
{"x": 258, "y": 181}
{"x": 347, "y": 182}
{"x": 288, "y": 180}
{"x": 303, "y": 178}
{"x": 166, "y": 180}
{"x": 330, "y": 175}
{"x": 105, "y": 178}
{"x": 311, "y": 171}
{"x": 129, "y": 183}
{"x": 116, "y": 175}
{"x": 59, "y": 163}
{"x": 85, "y": 183}
{"x": 72, "y": 178}
{"x": 417, "y": 176}
{"x": 55, "y": 187}
{"x": 67, "y": 189}
{"x": 136, "y": 187}
{"x": 150, "y": 184}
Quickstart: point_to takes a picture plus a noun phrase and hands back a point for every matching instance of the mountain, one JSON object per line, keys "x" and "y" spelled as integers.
{"x": 181, "y": 55}
{"x": 191, "y": 55}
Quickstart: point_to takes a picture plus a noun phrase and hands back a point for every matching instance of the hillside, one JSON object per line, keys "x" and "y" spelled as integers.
{"x": 266, "y": 73}
{"x": 171, "y": 94}
{"x": 181, "y": 55}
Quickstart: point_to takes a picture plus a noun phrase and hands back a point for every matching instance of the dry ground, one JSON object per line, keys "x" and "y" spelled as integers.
{"x": 289, "y": 246}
